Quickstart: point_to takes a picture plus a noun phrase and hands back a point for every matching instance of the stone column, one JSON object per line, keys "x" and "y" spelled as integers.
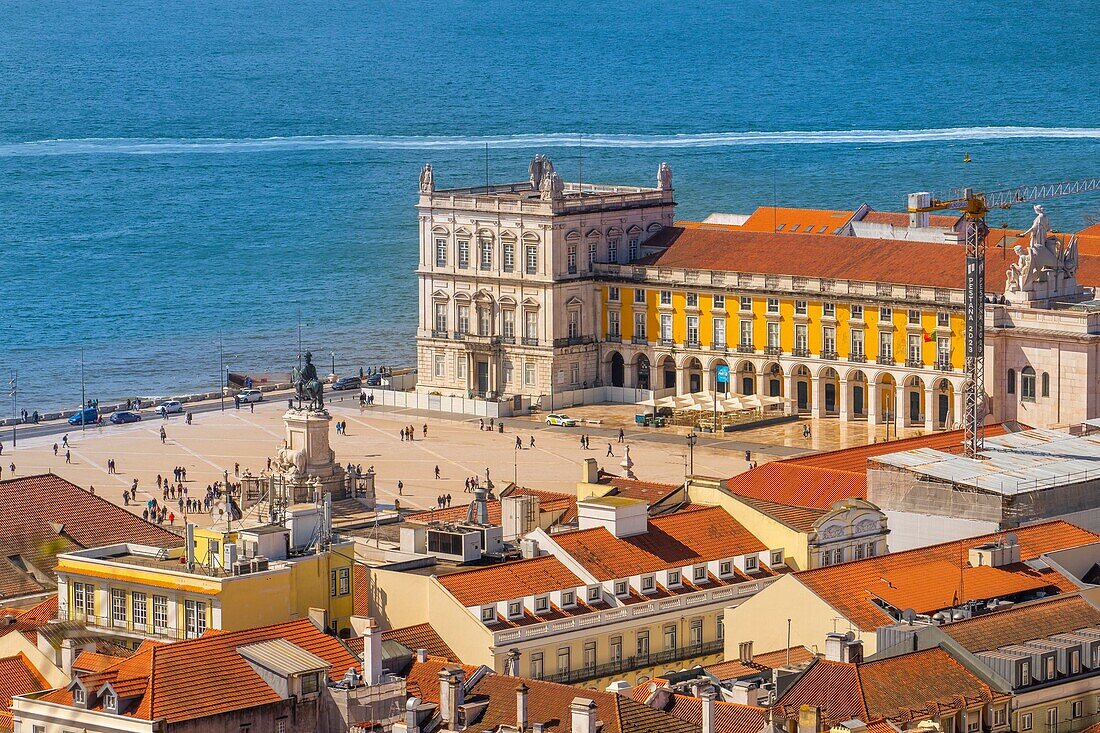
{"x": 788, "y": 389}
{"x": 872, "y": 405}
{"x": 761, "y": 384}
{"x": 960, "y": 407}
{"x": 901, "y": 410}
{"x": 817, "y": 398}
{"x": 842, "y": 406}
{"x": 929, "y": 409}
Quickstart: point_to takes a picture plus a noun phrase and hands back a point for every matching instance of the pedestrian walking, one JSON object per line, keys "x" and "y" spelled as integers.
{"x": 582, "y": 442}
{"x": 163, "y": 435}
{"x": 68, "y": 457}
{"x": 425, "y": 430}
{"x": 236, "y": 469}
{"x": 437, "y": 472}
{"x": 12, "y": 467}
{"x": 126, "y": 497}
{"x": 1, "y": 449}
{"x": 188, "y": 418}
{"x": 400, "y": 487}
{"x": 237, "y": 401}
{"x": 519, "y": 444}
{"x": 609, "y": 452}
{"x": 448, "y": 500}
{"x": 55, "y": 449}
{"x": 252, "y": 408}
{"x": 65, "y": 440}
{"x": 480, "y": 423}
{"x": 622, "y": 435}
{"x": 532, "y": 441}
{"x": 402, "y": 435}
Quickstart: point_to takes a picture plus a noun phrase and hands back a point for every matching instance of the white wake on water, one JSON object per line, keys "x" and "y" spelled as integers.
{"x": 169, "y": 146}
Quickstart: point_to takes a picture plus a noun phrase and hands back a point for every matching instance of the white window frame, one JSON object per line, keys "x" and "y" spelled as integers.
{"x": 613, "y": 294}
{"x": 857, "y": 312}
{"x": 801, "y": 307}
{"x": 160, "y": 614}
{"x": 440, "y": 363}
{"x": 509, "y": 257}
{"x": 691, "y": 299}
{"x": 752, "y": 563}
{"x": 463, "y": 254}
{"x": 531, "y": 259}
{"x": 639, "y": 325}
{"x": 718, "y": 331}
{"x": 440, "y": 251}
{"x": 118, "y": 606}
{"x": 718, "y": 302}
{"x": 746, "y": 303}
{"x": 139, "y": 608}
{"x": 666, "y": 297}
{"x": 773, "y": 305}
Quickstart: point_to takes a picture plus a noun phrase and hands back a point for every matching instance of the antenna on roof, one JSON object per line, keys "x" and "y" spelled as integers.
{"x": 908, "y": 615}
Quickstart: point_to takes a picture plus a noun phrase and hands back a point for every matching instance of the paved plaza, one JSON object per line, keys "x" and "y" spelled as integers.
{"x": 219, "y": 441}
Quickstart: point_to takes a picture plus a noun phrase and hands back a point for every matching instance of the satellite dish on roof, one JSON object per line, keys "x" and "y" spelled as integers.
{"x": 218, "y": 511}
{"x": 1010, "y": 539}
{"x": 908, "y": 615}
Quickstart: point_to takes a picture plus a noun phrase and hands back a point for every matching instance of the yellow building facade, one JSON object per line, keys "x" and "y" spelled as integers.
{"x": 896, "y": 356}
{"x": 137, "y": 592}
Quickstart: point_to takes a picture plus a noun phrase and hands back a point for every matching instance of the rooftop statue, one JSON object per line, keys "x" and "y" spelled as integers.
{"x": 307, "y": 386}
{"x": 664, "y": 177}
{"x": 553, "y": 187}
{"x": 427, "y": 179}
{"x": 1043, "y": 260}
{"x": 540, "y": 166}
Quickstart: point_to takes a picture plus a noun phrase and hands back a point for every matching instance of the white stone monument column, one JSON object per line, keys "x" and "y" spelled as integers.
{"x": 844, "y": 397}
{"x": 817, "y": 398}
{"x": 872, "y": 405}
{"x": 929, "y": 408}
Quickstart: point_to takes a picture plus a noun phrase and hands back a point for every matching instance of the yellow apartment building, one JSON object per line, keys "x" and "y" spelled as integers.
{"x": 624, "y": 597}
{"x": 231, "y": 580}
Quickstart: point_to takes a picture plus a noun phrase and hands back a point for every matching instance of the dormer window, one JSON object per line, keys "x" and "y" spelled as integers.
{"x": 750, "y": 563}
{"x": 79, "y": 696}
{"x": 777, "y": 557}
{"x": 725, "y": 568}
{"x": 594, "y": 593}
{"x": 620, "y": 587}
{"x": 647, "y": 584}
{"x": 673, "y": 578}
{"x": 699, "y": 573}
{"x": 489, "y": 614}
{"x": 542, "y": 604}
{"x": 310, "y": 683}
{"x": 515, "y": 609}
{"x": 568, "y": 599}
{"x": 110, "y": 702}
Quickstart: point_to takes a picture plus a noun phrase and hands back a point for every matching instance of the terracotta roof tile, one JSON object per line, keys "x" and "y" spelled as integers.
{"x": 509, "y": 581}
{"x": 549, "y": 501}
{"x": 863, "y": 259}
{"x": 1023, "y": 623}
{"x": 901, "y": 219}
{"x": 207, "y": 676}
{"x": 94, "y": 662}
{"x": 675, "y": 540}
{"x": 36, "y": 507}
{"x": 728, "y": 717}
{"x": 849, "y": 587}
{"x": 421, "y": 636}
{"x": 734, "y": 669}
{"x": 905, "y": 589}
{"x": 18, "y": 676}
{"x": 769, "y": 218}
{"x": 360, "y": 590}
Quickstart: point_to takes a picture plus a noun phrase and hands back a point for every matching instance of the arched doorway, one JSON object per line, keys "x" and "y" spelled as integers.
{"x": 858, "y": 384}
{"x": 668, "y": 367}
{"x": 944, "y": 404}
{"x": 618, "y": 369}
{"x": 773, "y": 380}
{"x": 642, "y": 372}
{"x": 914, "y": 399}
{"x": 802, "y": 391}
{"x": 829, "y": 381}
{"x": 746, "y": 377}
{"x": 694, "y": 370}
{"x": 887, "y": 397}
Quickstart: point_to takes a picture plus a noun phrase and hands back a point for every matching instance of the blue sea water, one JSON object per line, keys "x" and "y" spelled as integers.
{"x": 173, "y": 175}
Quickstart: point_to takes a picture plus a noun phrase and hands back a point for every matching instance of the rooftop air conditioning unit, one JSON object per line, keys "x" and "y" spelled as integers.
{"x": 259, "y": 564}
{"x": 242, "y": 567}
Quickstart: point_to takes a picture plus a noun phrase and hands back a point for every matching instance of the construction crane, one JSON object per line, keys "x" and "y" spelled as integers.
{"x": 974, "y": 207}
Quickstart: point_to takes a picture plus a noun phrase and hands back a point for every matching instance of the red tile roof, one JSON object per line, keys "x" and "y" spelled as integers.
{"x": 360, "y": 590}
{"x": 45, "y": 515}
{"x": 94, "y": 662}
{"x": 735, "y": 669}
{"x": 1024, "y": 623}
{"x": 675, "y": 540}
{"x": 549, "y": 501}
{"x": 547, "y": 702}
{"x": 728, "y": 717}
{"x": 800, "y": 518}
{"x": 863, "y": 259}
{"x": 902, "y": 689}
{"x": 421, "y": 636}
{"x": 905, "y": 589}
{"x": 509, "y": 581}
{"x": 18, "y": 676}
{"x": 821, "y": 479}
{"x": 207, "y": 676}
{"x": 772, "y": 218}
{"x": 901, "y": 219}
{"x": 29, "y": 620}
{"x": 849, "y": 587}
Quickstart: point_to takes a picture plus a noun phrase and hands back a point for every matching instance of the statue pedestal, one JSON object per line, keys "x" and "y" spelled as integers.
{"x": 307, "y": 431}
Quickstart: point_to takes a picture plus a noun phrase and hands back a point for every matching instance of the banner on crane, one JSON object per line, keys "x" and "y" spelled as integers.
{"x": 975, "y": 307}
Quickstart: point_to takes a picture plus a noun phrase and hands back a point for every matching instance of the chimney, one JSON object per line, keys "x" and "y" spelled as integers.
{"x": 69, "y": 651}
{"x": 834, "y": 646}
{"x": 708, "y": 711}
{"x": 412, "y": 724}
{"x": 744, "y": 651}
{"x": 422, "y": 655}
{"x": 478, "y": 511}
{"x": 853, "y": 651}
{"x": 809, "y": 719}
{"x": 190, "y": 545}
{"x": 582, "y": 715}
{"x": 591, "y": 474}
{"x": 452, "y": 695}
{"x": 372, "y": 653}
{"x": 745, "y": 692}
{"x": 919, "y": 201}
{"x": 521, "y": 707}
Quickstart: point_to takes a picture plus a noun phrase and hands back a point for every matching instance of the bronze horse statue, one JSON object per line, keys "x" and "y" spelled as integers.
{"x": 307, "y": 386}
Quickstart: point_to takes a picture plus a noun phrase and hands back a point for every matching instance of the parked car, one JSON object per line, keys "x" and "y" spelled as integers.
{"x": 353, "y": 382}
{"x": 121, "y": 417}
{"x": 374, "y": 380}
{"x": 250, "y": 395}
{"x": 85, "y": 416}
{"x": 169, "y": 407}
{"x": 559, "y": 418}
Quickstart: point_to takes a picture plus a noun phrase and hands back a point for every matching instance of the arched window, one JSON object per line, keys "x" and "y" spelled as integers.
{"x": 1011, "y": 381}
{"x": 1046, "y": 384}
{"x": 1027, "y": 384}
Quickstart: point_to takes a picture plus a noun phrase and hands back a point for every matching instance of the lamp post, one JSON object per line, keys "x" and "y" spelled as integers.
{"x": 515, "y": 465}
{"x": 692, "y": 438}
{"x": 14, "y": 391}
{"x": 333, "y": 355}
{"x": 223, "y": 378}
{"x": 82, "y": 395}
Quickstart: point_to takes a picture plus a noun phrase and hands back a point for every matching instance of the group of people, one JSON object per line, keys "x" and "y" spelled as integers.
{"x": 443, "y": 501}
{"x": 341, "y": 428}
{"x": 474, "y": 482}
{"x": 29, "y": 417}
{"x": 365, "y": 399}
{"x": 409, "y": 432}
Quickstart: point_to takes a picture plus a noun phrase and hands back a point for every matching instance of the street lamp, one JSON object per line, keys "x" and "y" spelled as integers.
{"x": 333, "y": 355}
{"x": 692, "y": 438}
